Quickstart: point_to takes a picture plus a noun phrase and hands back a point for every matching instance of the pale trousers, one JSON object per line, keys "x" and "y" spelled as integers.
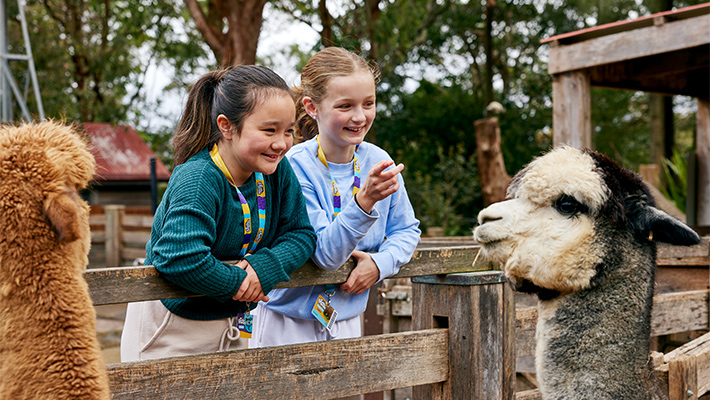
{"x": 151, "y": 331}
{"x": 275, "y": 329}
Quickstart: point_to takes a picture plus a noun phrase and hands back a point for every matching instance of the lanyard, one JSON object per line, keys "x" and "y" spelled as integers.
{"x": 260, "y": 201}
{"x": 336, "y": 192}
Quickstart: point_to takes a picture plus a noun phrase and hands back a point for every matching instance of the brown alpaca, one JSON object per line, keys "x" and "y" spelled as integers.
{"x": 48, "y": 344}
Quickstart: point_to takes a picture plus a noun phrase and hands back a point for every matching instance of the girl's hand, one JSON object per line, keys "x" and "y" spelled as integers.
{"x": 378, "y": 185}
{"x": 250, "y": 289}
{"x": 363, "y": 276}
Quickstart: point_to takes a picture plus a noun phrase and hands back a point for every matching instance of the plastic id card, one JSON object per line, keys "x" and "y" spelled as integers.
{"x": 244, "y": 324}
{"x": 324, "y": 312}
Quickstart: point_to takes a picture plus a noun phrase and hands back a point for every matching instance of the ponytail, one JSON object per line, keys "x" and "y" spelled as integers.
{"x": 306, "y": 126}
{"x": 196, "y": 129}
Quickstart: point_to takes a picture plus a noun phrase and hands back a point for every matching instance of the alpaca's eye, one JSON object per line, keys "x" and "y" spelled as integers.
{"x": 568, "y": 205}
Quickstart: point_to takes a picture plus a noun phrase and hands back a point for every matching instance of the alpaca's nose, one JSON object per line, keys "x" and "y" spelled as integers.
{"x": 484, "y": 219}
{"x": 488, "y": 215}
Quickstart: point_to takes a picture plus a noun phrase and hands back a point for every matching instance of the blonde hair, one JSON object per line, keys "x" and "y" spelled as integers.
{"x": 326, "y": 64}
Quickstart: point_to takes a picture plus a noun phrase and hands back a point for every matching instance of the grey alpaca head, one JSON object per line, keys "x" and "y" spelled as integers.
{"x": 579, "y": 231}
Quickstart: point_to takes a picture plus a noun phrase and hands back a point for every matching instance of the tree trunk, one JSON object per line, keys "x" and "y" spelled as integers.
{"x": 244, "y": 18}
{"x": 326, "y": 34}
{"x": 491, "y": 167}
{"x": 488, "y": 47}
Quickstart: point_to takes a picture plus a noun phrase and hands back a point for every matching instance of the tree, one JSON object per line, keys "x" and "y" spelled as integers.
{"x": 242, "y": 20}
{"x": 91, "y": 55}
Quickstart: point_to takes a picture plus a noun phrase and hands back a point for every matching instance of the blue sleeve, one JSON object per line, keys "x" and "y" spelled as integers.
{"x": 402, "y": 235}
{"x": 337, "y": 239}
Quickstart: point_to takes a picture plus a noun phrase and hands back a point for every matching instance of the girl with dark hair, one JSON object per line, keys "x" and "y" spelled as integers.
{"x": 352, "y": 215}
{"x": 231, "y": 196}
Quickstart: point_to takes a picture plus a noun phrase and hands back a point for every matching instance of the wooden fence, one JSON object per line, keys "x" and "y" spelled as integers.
{"x": 118, "y": 234}
{"x": 467, "y": 333}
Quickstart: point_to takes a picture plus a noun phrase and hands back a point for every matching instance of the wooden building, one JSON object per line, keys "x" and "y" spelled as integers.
{"x": 667, "y": 53}
{"x": 123, "y": 166}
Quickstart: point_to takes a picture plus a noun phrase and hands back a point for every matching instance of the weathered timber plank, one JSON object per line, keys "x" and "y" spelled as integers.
{"x": 699, "y": 254}
{"x": 126, "y": 284}
{"x": 629, "y": 45}
{"x": 306, "y": 371}
{"x": 97, "y": 219}
{"x": 683, "y": 378}
{"x": 528, "y": 395}
{"x": 135, "y": 238}
{"x": 571, "y": 109}
{"x": 702, "y": 140}
{"x": 141, "y": 221}
{"x": 700, "y": 350}
{"x": 672, "y": 313}
{"x": 525, "y": 325}
{"x": 679, "y": 312}
{"x": 480, "y": 322}
{"x": 680, "y": 279}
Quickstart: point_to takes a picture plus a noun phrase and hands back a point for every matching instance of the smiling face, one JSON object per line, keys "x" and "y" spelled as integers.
{"x": 265, "y": 137}
{"x": 545, "y": 234}
{"x": 346, "y": 113}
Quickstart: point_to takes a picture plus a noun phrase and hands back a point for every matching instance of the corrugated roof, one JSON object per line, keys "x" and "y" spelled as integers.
{"x": 121, "y": 154}
{"x": 627, "y": 25}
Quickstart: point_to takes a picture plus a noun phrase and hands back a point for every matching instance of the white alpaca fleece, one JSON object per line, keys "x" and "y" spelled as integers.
{"x": 564, "y": 170}
{"x": 529, "y": 236}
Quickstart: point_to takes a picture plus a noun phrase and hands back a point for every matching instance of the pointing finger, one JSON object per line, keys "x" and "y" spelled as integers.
{"x": 380, "y": 166}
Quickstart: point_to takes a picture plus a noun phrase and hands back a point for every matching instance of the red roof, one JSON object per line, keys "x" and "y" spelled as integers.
{"x": 627, "y": 25}
{"x": 121, "y": 154}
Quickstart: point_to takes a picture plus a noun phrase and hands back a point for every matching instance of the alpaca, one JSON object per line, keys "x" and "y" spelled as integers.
{"x": 48, "y": 344}
{"x": 579, "y": 231}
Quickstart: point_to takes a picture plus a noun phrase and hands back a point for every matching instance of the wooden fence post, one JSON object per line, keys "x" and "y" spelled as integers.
{"x": 114, "y": 222}
{"x": 683, "y": 378}
{"x": 479, "y": 310}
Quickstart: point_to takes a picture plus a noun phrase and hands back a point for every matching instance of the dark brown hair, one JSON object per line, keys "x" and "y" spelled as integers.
{"x": 326, "y": 64}
{"x": 234, "y": 92}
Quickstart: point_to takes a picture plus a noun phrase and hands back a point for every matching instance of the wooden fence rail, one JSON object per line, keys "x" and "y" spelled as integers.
{"x": 327, "y": 369}
{"x": 468, "y": 329}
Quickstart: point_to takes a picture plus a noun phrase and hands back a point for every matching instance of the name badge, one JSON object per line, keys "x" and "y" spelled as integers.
{"x": 324, "y": 312}
{"x": 244, "y": 324}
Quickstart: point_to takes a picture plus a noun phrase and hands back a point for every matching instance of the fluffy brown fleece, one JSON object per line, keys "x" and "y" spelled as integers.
{"x": 48, "y": 344}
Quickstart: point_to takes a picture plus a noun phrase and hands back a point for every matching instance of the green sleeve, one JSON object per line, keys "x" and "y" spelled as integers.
{"x": 182, "y": 254}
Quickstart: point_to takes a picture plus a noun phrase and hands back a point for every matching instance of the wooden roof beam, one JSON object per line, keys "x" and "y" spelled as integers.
{"x": 624, "y": 46}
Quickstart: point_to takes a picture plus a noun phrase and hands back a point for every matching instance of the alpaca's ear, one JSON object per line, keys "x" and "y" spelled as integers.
{"x": 668, "y": 229}
{"x": 64, "y": 213}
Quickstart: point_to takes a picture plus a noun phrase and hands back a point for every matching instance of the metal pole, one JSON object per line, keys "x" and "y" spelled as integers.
{"x": 153, "y": 186}
{"x": 5, "y": 93}
{"x": 30, "y": 59}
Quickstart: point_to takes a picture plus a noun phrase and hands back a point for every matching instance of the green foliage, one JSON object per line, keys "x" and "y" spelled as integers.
{"x": 431, "y": 133}
{"x": 621, "y": 126}
{"x": 444, "y": 194}
{"x": 676, "y": 173}
{"x": 91, "y": 56}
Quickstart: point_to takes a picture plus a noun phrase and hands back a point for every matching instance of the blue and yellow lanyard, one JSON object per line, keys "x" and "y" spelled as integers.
{"x": 260, "y": 200}
{"x": 330, "y": 289}
{"x": 336, "y": 192}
